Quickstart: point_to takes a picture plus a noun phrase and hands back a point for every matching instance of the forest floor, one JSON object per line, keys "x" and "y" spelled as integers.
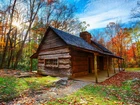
{"x": 17, "y": 87}
{"x": 121, "y": 89}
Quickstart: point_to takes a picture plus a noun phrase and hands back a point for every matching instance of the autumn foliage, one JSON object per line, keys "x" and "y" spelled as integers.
{"x": 124, "y": 43}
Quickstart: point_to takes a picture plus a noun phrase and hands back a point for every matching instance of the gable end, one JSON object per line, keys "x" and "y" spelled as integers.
{"x": 51, "y": 40}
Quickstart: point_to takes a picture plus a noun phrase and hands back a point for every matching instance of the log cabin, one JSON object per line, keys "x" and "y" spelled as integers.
{"x": 65, "y": 55}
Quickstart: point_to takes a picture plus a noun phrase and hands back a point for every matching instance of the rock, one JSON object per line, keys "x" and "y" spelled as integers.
{"x": 26, "y": 74}
{"x": 17, "y": 73}
{"x": 53, "y": 89}
{"x": 46, "y": 96}
{"x": 135, "y": 80}
{"x": 39, "y": 92}
{"x": 42, "y": 97}
{"x": 62, "y": 81}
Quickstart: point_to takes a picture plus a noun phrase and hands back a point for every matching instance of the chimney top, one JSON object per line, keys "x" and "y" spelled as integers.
{"x": 86, "y": 36}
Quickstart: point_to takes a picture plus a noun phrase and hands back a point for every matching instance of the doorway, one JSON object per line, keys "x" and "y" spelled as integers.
{"x": 89, "y": 65}
{"x": 100, "y": 62}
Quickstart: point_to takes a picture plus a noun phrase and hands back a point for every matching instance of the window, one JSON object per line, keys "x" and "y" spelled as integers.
{"x": 51, "y": 62}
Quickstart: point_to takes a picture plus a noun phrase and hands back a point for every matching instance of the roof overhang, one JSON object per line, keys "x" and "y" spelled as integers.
{"x": 34, "y": 56}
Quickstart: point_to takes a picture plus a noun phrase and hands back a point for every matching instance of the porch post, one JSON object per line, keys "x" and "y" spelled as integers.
{"x": 95, "y": 67}
{"x": 31, "y": 64}
{"x": 123, "y": 65}
{"x": 108, "y": 67}
{"x": 114, "y": 66}
{"x": 119, "y": 65}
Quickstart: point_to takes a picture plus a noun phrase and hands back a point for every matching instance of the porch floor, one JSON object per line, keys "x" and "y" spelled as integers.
{"x": 102, "y": 76}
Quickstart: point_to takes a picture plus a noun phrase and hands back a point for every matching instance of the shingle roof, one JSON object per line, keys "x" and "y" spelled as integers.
{"x": 74, "y": 40}
{"x": 102, "y": 47}
{"x": 77, "y": 42}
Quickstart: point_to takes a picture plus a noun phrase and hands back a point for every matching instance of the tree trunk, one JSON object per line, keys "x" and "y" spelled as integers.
{"x": 10, "y": 58}
{"x": 119, "y": 65}
{"x": 5, "y": 49}
{"x": 95, "y": 68}
{"x": 4, "y": 54}
{"x": 32, "y": 17}
{"x": 108, "y": 67}
{"x": 19, "y": 53}
{"x": 8, "y": 35}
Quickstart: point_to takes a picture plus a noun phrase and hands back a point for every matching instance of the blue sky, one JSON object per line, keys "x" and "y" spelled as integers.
{"x": 98, "y": 13}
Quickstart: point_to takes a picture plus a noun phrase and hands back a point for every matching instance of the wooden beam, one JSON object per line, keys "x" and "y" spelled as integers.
{"x": 95, "y": 68}
{"x": 55, "y": 51}
{"x": 44, "y": 63}
{"x": 63, "y": 66}
{"x": 55, "y": 56}
{"x": 55, "y": 48}
{"x": 123, "y": 65}
{"x": 114, "y": 66}
{"x": 64, "y": 61}
{"x": 82, "y": 49}
{"x": 108, "y": 66}
{"x": 31, "y": 65}
{"x": 119, "y": 66}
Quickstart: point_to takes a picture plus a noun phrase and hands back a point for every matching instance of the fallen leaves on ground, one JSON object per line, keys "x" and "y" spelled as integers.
{"x": 121, "y": 93}
{"x": 119, "y": 78}
{"x": 121, "y": 89}
{"x": 126, "y": 86}
{"x": 17, "y": 73}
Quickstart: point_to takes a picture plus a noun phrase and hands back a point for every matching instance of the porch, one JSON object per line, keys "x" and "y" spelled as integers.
{"x": 102, "y": 76}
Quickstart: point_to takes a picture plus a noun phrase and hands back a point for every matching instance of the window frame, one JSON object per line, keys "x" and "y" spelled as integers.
{"x": 53, "y": 65}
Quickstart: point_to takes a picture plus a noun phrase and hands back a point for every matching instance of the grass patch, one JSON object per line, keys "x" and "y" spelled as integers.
{"x": 132, "y": 69}
{"x": 99, "y": 94}
{"x": 11, "y": 87}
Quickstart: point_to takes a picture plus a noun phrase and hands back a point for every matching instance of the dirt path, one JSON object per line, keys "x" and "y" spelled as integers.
{"x": 41, "y": 96}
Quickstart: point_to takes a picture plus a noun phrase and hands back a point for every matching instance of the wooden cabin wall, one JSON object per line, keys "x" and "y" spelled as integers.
{"x": 100, "y": 63}
{"x": 110, "y": 65}
{"x": 80, "y": 63}
{"x": 53, "y": 49}
{"x": 105, "y": 63}
{"x": 64, "y": 64}
{"x": 51, "y": 41}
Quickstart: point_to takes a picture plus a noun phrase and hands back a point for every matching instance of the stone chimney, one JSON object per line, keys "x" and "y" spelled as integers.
{"x": 86, "y": 36}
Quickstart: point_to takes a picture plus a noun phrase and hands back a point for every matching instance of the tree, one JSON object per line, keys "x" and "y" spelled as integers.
{"x": 24, "y": 23}
{"x": 135, "y": 38}
{"x": 10, "y": 9}
{"x": 34, "y": 7}
{"x": 61, "y": 15}
{"x": 99, "y": 36}
{"x": 135, "y": 12}
{"x": 111, "y": 30}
